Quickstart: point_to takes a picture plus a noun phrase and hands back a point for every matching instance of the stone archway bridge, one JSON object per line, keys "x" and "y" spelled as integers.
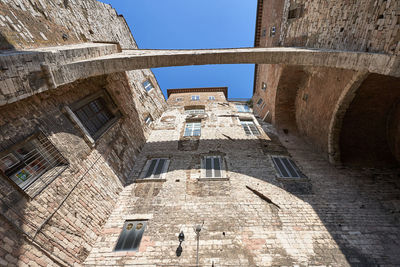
{"x": 24, "y": 73}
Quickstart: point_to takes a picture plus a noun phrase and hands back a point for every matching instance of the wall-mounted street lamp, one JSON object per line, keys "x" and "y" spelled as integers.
{"x": 181, "y": 238}
{"x": 197, "y": 230}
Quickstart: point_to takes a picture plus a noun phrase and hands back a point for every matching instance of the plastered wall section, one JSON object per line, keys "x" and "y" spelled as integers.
{"x": 61, "y": 224}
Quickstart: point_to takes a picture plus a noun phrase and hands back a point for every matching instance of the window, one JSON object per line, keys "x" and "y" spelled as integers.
{"x": 148, "y": 120}
{"x": 195, "y": 111}
{"x": 36, "y": 158}
{"x": 242, "y": 108}
{"x": 195, "y": 97}
{"x": 272, "y": 31}
{"x": 286, "y": 168}
{"x": 94, "y": 114}
{"x": 179, "y": 99}
{"x": 211, "y": 97}
{"x": 147, "y": 85}
{"x": 212, "y": 167}
{"x": 259, "y": 102}
{"x": 155, "y": 168}
{"x": 264, "y": 32}
{"x": 192, "y": 129}
{"x": 249, "y": 127}
{"x": 264, "y": 86}
{"x": 131, "y": 235}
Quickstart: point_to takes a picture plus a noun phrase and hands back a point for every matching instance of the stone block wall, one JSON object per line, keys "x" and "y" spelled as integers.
{"x": 66, "y": 217}
{"x": 38, "y": 23}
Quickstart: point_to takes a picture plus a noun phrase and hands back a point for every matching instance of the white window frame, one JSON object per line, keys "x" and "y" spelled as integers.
{"x": 242, "y": 107}
{"x": 192, "y": 126}
{"x": 211, "y": 97}
{"x": 163, "y": 172}
{"x": 204, "y": 170}
{"x": 195, "y": 98}
{"x": 148, "y": 85}
{"x": 246, "y": 123}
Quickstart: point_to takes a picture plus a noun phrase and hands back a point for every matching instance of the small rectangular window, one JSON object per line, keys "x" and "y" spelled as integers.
{"x": 179, "y": 99}
{"x": 272, "y": 31}
{"x": 148, "y": 120}
{"x": 264, "y": 86}
{"x": 211, "y": 98}
{"x": 286, "y": 167}
{"x": 212, "y": 166}
{"x": 147, "y": 85}
{"x": 249, "y": 127}
{"x": 195, "y": 97}
{"x": 192, "y": 129}
{"x": 36, "y": 158}
{"x": 131, "y": 235}
{"x": 195, "y": 111}
{"x": 156, "y": 168}
{"x": 242, "y": 108}
{"x": 259, "y": 102}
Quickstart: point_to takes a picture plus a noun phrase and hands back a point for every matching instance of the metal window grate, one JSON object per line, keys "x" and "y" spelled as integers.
{"x": 286, "y": 167}
{"x": 94, "y": 115}
{"x": 212, "y": 165}
{"x": 249, "y": 127}
{"x": 33, "y": 163}
{"x": 131, "y": 235}
{"x": 192, "y": 129}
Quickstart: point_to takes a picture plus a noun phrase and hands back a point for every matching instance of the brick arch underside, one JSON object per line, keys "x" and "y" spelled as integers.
{"x": 370, "y": 132}
{"x": 291, "y": 79}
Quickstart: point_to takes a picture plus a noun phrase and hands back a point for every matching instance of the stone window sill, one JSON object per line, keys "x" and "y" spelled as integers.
{"x": 145, "y": 180}
{"x": 213, "y": 179}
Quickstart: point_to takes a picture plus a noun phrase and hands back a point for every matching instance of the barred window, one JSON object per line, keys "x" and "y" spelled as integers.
{"x": 33, "y": 163}
{"x": 147, "y": 85}
{"x": 130, "y": 236}
{"x": 192, "y": 129}
{"x": 155, "y": 168}
{"x": 249, "y": 127}
{"x": 242, "y": 108}
{"x": 286, "y": 167}
{"x": 212, "y": 166}
{"x": 94, "y": 114}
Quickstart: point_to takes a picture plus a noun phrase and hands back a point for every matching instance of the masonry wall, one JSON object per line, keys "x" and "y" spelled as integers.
{"x": 38, "y": 23}
{"x": 319, "y": 220}
{"x": 66, "y": 217}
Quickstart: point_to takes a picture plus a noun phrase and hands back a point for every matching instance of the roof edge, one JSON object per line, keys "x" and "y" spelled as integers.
{"x": 198, "y": 89}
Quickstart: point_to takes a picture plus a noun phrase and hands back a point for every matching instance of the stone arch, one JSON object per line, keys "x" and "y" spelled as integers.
{"x": 366, "y": 131}
{"x": 339, "y": 112}
{"x": 291, "y": 79}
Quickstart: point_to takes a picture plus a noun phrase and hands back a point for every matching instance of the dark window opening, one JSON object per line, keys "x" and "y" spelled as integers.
{"x": 286, "y": 167}
{"x": 131, "y": 235}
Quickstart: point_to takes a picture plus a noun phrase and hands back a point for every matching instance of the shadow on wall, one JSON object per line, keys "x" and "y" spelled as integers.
{"x": 86, "y": 191}
{"x": 5, "y": 44}
{"x": 350, "y": 204}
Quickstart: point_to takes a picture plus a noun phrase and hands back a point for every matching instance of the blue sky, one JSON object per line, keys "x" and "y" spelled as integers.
{"x": 184, "y": 24}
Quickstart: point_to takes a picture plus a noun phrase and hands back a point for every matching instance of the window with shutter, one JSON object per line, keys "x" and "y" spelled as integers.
{"x": 249, "y": 127}
{"x": 156, "y": 168}
{"x": 212, "y": 166}
{"x": 131, "y": 235}
{"x": 192, "y": 129}
{"x": 286, "y": 167}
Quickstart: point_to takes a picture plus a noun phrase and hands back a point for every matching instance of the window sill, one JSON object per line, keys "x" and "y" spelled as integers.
{"x": 145, "y": 180}
{"x": 213, "y": 179}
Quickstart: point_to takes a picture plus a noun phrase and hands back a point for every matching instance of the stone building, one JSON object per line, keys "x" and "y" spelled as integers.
{"x": 97, "y": 169}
